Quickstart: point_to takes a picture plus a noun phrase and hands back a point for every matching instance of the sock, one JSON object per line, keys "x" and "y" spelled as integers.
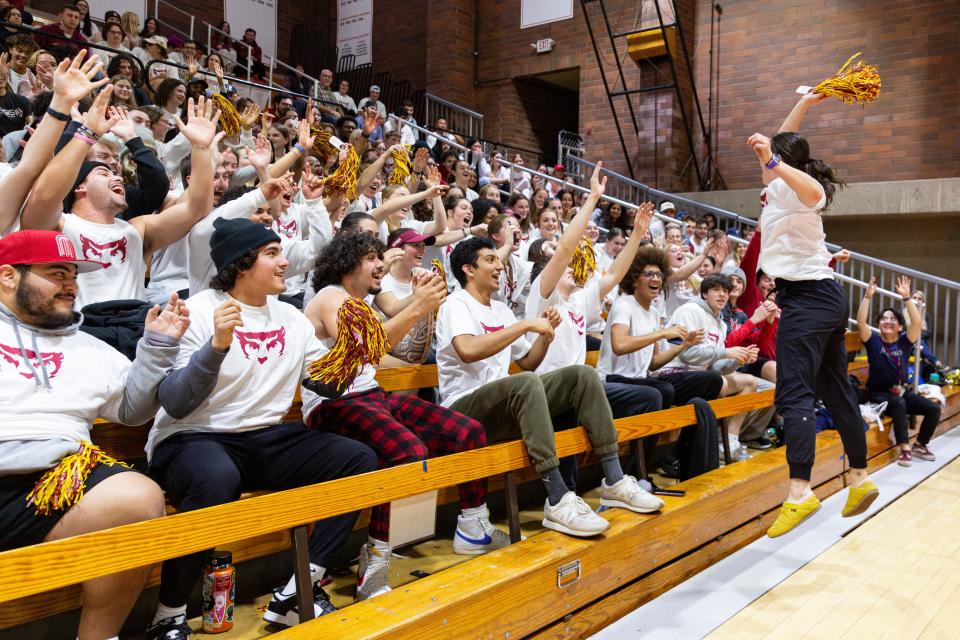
{"x": 380, "y": 545}
{"x": 163, "y": 612}
{"x": 556, "y": 488}
{"x": 290, "y": 589}
{"x": 475, "y": 512}
{"x": 612, "y": 471}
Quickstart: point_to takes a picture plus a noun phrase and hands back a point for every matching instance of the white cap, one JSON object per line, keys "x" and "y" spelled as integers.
{"x": 667, "y": 205}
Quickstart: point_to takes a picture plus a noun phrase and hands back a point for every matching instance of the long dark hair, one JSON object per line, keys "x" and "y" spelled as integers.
{"x": 794, "y": 150}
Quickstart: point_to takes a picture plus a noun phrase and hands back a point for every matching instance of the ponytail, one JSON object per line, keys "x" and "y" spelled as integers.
{"x": 795, "y": 151}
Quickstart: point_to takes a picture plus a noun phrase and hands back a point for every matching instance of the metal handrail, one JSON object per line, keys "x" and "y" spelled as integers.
{"x": 434, "y": 104}
{"x": 453, "y": 105}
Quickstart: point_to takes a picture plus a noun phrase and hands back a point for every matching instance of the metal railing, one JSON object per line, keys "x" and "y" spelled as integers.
{"x": 569, "y": 143}
{"x": 458, "y": 118}
{"x": 942, "y": 295}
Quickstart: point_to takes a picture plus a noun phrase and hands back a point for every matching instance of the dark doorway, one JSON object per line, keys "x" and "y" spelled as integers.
{"x": 551, "y": 102}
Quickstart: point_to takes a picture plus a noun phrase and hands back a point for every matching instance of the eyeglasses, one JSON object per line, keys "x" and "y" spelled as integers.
{"x": 653, "y": 275}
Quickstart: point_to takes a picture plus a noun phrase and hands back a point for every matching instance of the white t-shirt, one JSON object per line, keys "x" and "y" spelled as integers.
{"x": 639, "y": 321}
{"x": 577, "y": 312}
{"x": 400, "y": 290}
{"x": 119, "y": 248}
{"x": 265, "y": 364}
{"x": 462, "y": 314}
{"x": 792, "y": 242}
{"x": 515, "y": 290}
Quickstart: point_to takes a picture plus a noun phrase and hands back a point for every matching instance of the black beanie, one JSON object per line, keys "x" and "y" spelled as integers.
{"x": 232, "y": 239}
{"x": 85, "y": 170}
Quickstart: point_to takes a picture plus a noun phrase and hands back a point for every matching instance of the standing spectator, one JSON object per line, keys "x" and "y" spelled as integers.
{"x": 327, "y": 103}
{"x": 249, "y": 46}
{"x": 65, "y": 31}
{"x": 373, "y": 100}
{"x": 87, "y": 27}
{"x": 343, "y": 97}
{"x": 296, "y": 82}
{"x": 408, "y": 135}
{"x": 440, "y": 126}
{"x": 113, "y": 36}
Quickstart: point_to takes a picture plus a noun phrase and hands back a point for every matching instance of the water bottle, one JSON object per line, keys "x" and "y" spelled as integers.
{"x": 742, "y": 453}
{"x": 771, "y": 434}
{"x": 219, "y": 592}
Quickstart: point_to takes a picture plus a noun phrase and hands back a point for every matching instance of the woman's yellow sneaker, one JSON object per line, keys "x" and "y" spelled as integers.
{"x": 860, "y": 498}
{"x": 791, "y": 514}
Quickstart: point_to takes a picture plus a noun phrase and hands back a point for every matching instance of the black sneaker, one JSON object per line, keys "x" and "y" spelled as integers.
{"x": 284, "y": 611}
{"x": 174, "y": 628}
{"x": 670, "y": 467}
{"x": 760, "y": 443}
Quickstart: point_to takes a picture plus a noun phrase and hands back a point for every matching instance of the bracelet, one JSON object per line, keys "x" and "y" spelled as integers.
{"x": 80, "y": 136}
{"x": 88, "y": 133}
{"x": 299, "y": 147}
{"x": 201, "y": 147}
{"x": 772, "y": 162}
{"x": 56, "y": 115}
{"x": 464, "y": 232}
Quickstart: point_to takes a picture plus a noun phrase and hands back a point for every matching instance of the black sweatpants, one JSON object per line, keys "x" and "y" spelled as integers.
{"x": 910, "y": 403}
{"x": 200, "y": 470}
{"x": 811, "y": 364}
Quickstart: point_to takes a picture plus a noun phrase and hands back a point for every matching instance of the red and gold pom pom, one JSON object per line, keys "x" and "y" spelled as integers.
{"x": 855, "y": 82}
{"x": 62, "y": 487}
{"x": 344, "y": 179}
{"x": 361, "y": 340}
{"x": 584, "y": 262}
{"x": 321, "y": 142}
{"x": 230, "y": 118}
{"x": 401, "y": 166}
{"x": 438, "y": 268}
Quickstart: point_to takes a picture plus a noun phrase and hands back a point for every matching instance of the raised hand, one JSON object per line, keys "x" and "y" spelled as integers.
{"x": 641, "y": 220}
{"x": 431, "y": 175}
{"x": 420, "y": 161}
{"x": 311, "y": 112}
{"x": 73, "y": 79}
{"x": 249, "y": 115}
{"x": 201, "y": 125}
{"x": 841, "y": 257}
{"x": 225, "y": 319}
{"x": 813, "y": 98}
{"x": 304, "y": 137}
{"x": 274, "y": 187}
{"x": 871, "y": 287}
{"x": 97, "y": 117}
{"x": 266, "y": 119}
{"x": 597, "y": 184}
{"x": 218, "y": 70}
{"x": 311, "y": 186}
{"x": 172, "y": 321}
{"x": 371, "y": 120}
{"x": 5, "y": 66}
{"x": 259, "y": 157}
{"x": 761, "y": 146}
{"x": 430, "y": 293}
{"x": 903, "y": 287}
{"x": 124, "y": 128}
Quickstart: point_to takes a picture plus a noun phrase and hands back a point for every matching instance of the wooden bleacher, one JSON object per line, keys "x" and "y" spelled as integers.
{"x": 46, "y": 574}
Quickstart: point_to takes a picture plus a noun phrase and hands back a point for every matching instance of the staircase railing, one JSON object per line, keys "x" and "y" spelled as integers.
{"x": 942, "y": 296}
{"x": 458, "y": 118}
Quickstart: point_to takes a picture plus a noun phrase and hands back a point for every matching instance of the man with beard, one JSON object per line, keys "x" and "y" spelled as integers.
{"x": 400, "y": 428}
{"x": 56, "y": 381}
{"x": 221, "y": 429}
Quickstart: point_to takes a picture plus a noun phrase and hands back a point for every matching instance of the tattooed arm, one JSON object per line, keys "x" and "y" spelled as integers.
{"x": 414, "y": 346}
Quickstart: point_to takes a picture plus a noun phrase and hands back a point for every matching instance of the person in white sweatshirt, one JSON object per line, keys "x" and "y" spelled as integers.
{"x": 220, "y": 430}
{"x": 54, "y": 383}
{"x": 705, "y": 314}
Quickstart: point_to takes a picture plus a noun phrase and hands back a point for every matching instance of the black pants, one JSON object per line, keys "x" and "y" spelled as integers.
{"x": 910, "y": 403}
{"x": 200, "y": 470}
{"x": 811, "y": 364}
{"x": 677, "y": 389}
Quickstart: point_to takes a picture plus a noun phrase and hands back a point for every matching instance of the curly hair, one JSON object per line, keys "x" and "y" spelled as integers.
{"x": 647, "y": 255}
{"x": 342, "y": 256}
{"x": 113, "y": 69}
{"x": 226, "y": 278}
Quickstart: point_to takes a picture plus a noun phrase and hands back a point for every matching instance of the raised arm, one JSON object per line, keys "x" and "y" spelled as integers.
{"x": 863, "y": 312}
{"x": 72, "y": 80}
{"x": 370, "y": 173}
{"x": 792, "y": 123}
{"x": 545, "y": 326}
{"x": 571, "y": 236}
{"x": 45, "y": 205}
{"x": 915, "y": 323}
{"x": 623, "y": 261}
{"x": 439, "y": 224}
{"x": 396, "y": 203}
{"x": 808, "y": 190}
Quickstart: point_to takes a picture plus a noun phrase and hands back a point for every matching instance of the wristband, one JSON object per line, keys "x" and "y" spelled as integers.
{"x": 56, "y": 115}
{"x": 773, "y": 161}
{"x": 299, "y": 147}
{"x": 464, "y": 232}
{"x": 87, "y": 132}
{"x": 80, "y": 136}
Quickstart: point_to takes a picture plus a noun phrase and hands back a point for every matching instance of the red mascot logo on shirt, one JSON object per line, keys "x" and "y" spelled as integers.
{"x": 104, "y": 254}
{"x": 52, "y": 360}
{"x": 487, "y": 329}
{"x": 261, "y": 344}
{"x": 289, "y": 230}
{"x": 577, "y": 322}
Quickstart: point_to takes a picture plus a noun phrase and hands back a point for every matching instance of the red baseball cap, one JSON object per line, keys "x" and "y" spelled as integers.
{"x": 558, "y": 167}
{"x": 35, "y": 246}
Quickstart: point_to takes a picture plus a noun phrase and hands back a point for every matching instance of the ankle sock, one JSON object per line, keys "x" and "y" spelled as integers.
{"x": 380, "y": 545}
{"x": 556, "y": 488}
{"x": 612, "y": 471}
{"x": 475, "y": 512}
{"x": 163, "y": 612}
{"x": 290, "y": 589}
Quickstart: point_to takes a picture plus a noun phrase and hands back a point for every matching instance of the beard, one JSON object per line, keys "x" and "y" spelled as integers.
{"x": 39, "y": 310}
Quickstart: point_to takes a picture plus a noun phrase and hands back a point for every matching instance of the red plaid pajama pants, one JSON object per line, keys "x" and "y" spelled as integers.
{"x": 402, "y": 428}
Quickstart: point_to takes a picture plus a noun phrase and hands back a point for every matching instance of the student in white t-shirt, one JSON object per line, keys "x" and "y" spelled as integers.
{"x": 477, "y": 338}
{"x": 221, "y": 429}
{"x": 811, "y": 353}
{"x": 401, "y": 428}
{"x": 515, "y": 280}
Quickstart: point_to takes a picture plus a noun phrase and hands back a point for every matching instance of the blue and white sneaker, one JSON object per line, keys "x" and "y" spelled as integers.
{"x": 476, "y": 536}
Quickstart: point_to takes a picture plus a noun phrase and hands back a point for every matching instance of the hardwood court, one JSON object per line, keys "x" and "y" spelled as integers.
{"x": 896, "y": 576}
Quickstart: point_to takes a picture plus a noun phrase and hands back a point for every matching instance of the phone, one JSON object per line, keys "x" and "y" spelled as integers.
{"x": 417, "y": 573}
{"x": 678, "y": 493}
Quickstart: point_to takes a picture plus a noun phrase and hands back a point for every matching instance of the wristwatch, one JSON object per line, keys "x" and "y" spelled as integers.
{"x": 773, "y": 161}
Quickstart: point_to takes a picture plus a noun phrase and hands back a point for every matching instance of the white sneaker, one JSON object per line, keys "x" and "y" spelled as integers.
{"x": 573, "y": 516}
{"x": 734, "y": 443}
{"x": 628, "y": 494}
{"x": 476, "y": 536}
{"x": 372, "y": 573}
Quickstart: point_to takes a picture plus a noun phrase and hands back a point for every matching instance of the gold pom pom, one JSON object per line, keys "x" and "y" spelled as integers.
{"x": 62, "y": 487}
{"x": 361, "y": 340}
{"x": 854, "y": 82}
{"x": 401, "y": 166}
{"x": 584, "y": 262}
{"x": 230, "y": 118}
{"x": 321, "y": 142}
{"x": 344, "y": 179}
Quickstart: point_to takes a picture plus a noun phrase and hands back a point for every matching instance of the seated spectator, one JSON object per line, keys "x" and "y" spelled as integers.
{"x": 373, "y": 100}
{"x": 698, "y": 241}
{"x": 249, "y": 47}
{"x": 343, "y": 97}
{"x": 672, "y": 234}
{"x": 87, "y": 26}
{"x": 930, "y": 363}
{"x": 296, "y": 82}
{"x": 476, "y": 339}
{"x": 53, "y": 393}
{"x": 887, "y": 355}
{"x": 113, "y": 38}
{"x": 612, "y": 216}
{"x": 608, "y": 251}
{"x": 43, "y": 64}
{"x": 515, "y": 278}
{"x": 371, "y": 124}
{"x": 66, "y": 30}
{"x": 14, "y": 108}
{"x": 442, "y": 133}
{"x": 125, "y": 65}
{"x": 461, "y": 178}
{"x": 220, "y": 429}
{"x": 518, "y": 206}
{"x": 485, "y": 210}
{"x": 189, "y": 56}
{"x": 683, "y": 285}
{"x": 400, "y": 428}
{"x": 14, "y": 16}
{"x": 153, "y": 48}
{"x": 130, "y": 22}
{"x": 327, "y": 103}
{"x": 19, "y": 76}
{"x": 408, "y": 135}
